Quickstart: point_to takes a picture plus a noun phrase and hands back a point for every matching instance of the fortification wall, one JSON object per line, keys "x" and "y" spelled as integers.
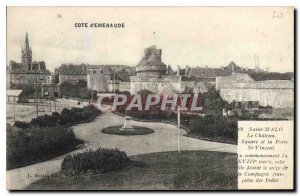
{"x": 97, "y": 82}
{"x": 157, "y": 84}
{"x": 156, "y": 78}
{"x": 124, "y": 86}
{"x": 165, "y": 84}
{"x": 267, "y": 84}
{"x": 277, "y": 98}
{"x": 196, "y": 86}
{"x": 155, "y": 87}
{"x": 240, "y": 87}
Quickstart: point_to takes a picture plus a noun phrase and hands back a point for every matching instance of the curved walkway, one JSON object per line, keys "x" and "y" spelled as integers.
{"x": 163, "y": 139}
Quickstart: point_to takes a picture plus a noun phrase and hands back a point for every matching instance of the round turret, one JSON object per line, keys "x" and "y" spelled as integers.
{"x": 151, "y": 63}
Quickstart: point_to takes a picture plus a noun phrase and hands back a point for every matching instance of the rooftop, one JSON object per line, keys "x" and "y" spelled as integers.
{"x": 13, "y": 92}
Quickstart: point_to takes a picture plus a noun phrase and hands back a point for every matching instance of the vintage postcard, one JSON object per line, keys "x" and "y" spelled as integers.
{"x": 150, "y": 98}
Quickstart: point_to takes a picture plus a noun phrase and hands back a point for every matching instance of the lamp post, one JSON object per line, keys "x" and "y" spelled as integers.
{"x": 178, "y": 120}
{"x": 14, "y": 109}
{"x": 53, "y": 99}
{"x": 50, "y": 102}
{"x": 178, "y": 128}
{"x": 179, "y": 102}
{"x": 114, "y": 80}
{"x": 36, "y": 96}
{"x": 36, "y": 101}
{"x": 92, "y": 92}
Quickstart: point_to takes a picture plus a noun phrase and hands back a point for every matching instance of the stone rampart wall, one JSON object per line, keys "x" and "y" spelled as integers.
{"x": 240, "y": 87}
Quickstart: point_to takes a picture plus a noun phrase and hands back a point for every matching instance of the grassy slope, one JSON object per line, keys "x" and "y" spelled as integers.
{"x": 189, "y": 170}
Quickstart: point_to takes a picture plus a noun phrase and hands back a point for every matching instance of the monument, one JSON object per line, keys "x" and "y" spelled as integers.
{"x": 127, "y": 125}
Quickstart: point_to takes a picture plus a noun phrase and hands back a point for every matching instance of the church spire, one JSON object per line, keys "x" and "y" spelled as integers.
{"x": 26, "y": 43}
{"x": 26, "y": 54}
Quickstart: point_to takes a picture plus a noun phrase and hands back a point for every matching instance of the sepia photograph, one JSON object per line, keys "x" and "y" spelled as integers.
{"x": 150, "y": 98}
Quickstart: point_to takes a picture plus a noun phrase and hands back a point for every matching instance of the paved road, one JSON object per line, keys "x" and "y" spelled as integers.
{"x": 163, "y": 139}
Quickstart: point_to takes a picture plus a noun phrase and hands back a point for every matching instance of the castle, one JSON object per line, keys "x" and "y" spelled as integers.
{"x": 153, "y": 75}
{"x": 28, "y": 71}
{"x": 149, "y": 74}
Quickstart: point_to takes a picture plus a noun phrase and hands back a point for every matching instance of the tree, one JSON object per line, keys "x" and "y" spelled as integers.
{"x": 213, "y": 102}
{"x": 145, "y": 92}
{"x": 78, "y": 90}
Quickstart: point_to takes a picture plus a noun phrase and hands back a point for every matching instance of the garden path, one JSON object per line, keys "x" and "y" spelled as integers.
{"x": 163, "y": 139}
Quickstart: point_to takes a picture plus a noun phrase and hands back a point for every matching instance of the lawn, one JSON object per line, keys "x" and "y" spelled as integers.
{"x": 189, "y": 170}
{"x": 115, "y": 130}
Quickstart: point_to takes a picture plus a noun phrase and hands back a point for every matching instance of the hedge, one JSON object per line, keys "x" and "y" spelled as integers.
{"x": 102, "y": 160}
{"x": 44, "y": 137}
{"x": 67, "y": 116}
{"x": 35, "y": 144}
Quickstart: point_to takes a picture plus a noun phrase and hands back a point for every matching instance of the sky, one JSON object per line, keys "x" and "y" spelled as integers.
{"x": 194, "y": 36}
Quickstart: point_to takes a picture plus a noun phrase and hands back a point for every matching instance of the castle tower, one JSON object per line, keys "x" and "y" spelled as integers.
{"x": 151, "y": 63}
{"x": 26, "y": 54}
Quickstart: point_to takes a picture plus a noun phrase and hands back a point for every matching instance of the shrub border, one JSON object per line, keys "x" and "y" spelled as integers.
{"x": 182, "y": 127}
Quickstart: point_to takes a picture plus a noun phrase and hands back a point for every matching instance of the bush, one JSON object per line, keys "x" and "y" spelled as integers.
{"x": 67, "y": 116}
{"x": 217, "y": 128}
{"x": 22, "y": 124}
{"x": 100, "y": 161}
{"x": 35, "y": 144}
{"x": 78, "y": 90}
{"x": 213, "y": 102}
{"x": 45, "y": 121}
{"x": 44, "y": 137}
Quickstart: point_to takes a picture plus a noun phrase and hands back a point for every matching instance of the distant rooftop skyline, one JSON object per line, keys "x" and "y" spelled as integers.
{"x": 187, "y": 36}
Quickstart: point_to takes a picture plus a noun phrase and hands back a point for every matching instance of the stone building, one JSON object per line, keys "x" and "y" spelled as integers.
{"x": 72, "y": 73}
{"x": 102, "y": 80}
{"x": 241, "y": 87}
{"x": 209, "y": 74}
{"x": 12, "y": 95}
{"x": 28, "y": 71}
{"x": 50, "y": 91}
{"x": 153, "y": 75}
